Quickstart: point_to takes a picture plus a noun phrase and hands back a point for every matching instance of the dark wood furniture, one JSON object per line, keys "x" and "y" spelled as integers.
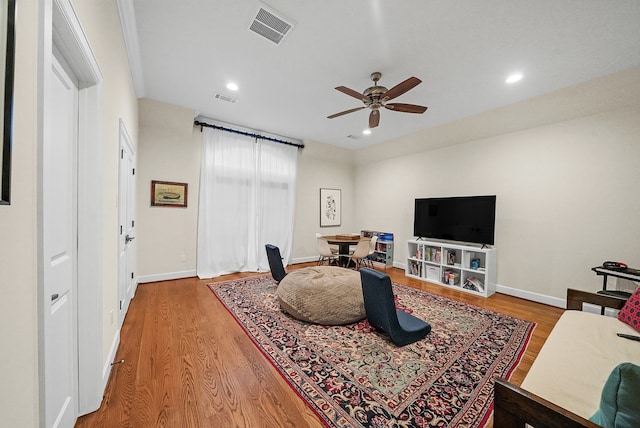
{"x": 513, "y": 407}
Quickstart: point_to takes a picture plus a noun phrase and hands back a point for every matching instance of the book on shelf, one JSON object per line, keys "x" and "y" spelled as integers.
{"x": 450, "y": 257}
{"x": 415, "y": 268}
{"x": 473, "y": 283}
{"x": 450, "y": 277}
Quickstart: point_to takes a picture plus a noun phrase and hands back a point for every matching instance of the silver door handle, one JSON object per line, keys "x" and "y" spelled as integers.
{"x": 128, "y": 239}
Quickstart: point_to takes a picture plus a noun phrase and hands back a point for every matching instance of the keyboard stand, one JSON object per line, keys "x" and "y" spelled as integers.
{"x": 630, "y": 274}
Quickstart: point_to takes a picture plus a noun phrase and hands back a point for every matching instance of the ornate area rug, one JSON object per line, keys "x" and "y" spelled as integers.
{"x": 352, "y": 376}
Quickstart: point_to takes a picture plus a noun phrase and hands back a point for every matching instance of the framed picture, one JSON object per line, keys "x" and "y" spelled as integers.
{"x": 7, "y": 47}
{"x": 330, "y": 207}
{"x": 168, "y": 194}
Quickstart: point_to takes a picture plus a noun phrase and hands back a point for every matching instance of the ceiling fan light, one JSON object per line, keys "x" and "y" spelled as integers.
{"x": 375, "y": 97}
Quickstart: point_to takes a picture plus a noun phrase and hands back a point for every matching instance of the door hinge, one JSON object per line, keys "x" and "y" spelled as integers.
{"x": 121, "y": 154}
{"x": 120, "y": 304}
{"x": 133, "y": 171}
{"x": 133, "y": 223}
{"x": 131, "y": 275}
{"x": 120, "y": 229}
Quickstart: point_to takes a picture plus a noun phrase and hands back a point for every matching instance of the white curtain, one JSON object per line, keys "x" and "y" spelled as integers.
{"x": 247, "y": 200}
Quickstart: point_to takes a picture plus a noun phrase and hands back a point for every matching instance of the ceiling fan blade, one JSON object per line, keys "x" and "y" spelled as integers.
{"x": 351, "y": 92}
{"x": 402, "y": 87}
{"x": 345, "y": 112}
{"x": 374, "y": 118}
{"x": 406, "y": 108}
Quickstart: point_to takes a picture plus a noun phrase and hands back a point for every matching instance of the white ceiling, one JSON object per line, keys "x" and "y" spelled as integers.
{"x": 462, "y": 50}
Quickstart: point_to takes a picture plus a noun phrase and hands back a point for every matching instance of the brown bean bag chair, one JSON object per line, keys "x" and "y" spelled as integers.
{"x": 326, "y": 295}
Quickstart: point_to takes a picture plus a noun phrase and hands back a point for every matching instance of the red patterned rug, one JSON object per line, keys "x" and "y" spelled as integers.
{"x": 352, "y": 376}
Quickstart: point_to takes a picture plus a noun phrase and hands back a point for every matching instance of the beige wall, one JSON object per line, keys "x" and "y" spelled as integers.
{"x": 18, "y": 222}
{"x": 566, "y": 189}
{"x": 567, "y": 197}
{"x": 169, "y": 151}
{"x": 563, "y": 167}
{"x": 18, "y": 269}
{"x": 321, "y": 166}
{"x": 101, "y": 23}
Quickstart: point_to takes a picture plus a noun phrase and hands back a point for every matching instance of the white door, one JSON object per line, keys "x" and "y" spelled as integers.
{"x": 59, "y": 247}
{"x": 126, "y": 215}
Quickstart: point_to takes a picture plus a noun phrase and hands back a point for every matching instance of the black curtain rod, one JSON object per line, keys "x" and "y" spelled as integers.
{"x": 248, "y": 134}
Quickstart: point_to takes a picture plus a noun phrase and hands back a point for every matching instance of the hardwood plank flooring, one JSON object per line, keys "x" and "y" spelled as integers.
{"x": 187, "y": 363}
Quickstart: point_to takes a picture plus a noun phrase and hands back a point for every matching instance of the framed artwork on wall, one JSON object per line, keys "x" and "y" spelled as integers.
{"x": 7, "y": 47}
{"x": 330, "y": 207}
{"x": 168, "y": 194}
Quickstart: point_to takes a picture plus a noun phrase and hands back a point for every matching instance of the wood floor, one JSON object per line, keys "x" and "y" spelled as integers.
{"x": 187, "y": 363}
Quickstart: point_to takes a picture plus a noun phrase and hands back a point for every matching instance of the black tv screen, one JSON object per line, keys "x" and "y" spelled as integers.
{"x": 463, "y": 218}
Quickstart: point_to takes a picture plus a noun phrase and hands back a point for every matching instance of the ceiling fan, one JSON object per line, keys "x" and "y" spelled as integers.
{"x": 376, "y": 97}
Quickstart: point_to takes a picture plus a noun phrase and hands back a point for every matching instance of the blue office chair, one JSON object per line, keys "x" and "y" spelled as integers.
{"x": 379, "y": 305}
{"x": 275, "y": 262}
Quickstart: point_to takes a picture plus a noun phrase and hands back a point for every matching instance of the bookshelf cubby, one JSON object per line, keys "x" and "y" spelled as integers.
{"x": 383, "y": 253}
{"x": 462, "y": 267}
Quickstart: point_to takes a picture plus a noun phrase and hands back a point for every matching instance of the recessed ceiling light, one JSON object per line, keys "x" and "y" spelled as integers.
{"x": 232, "y": 86}
{"x": 513, "y": 78}
{"x": 367, "y": 132}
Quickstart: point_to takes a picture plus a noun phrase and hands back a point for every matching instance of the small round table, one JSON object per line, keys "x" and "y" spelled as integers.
{"x": 343, "y": 246}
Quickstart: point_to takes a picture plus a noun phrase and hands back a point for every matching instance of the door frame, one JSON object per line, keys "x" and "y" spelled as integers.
{"x": 125, "y": 294}
{"x": 59, "y": 26}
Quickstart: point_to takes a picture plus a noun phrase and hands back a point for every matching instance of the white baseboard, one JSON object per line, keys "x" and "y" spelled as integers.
{"x": 106, "y": 370}
{"x": 303, "y": 260}
{"x": 167, "y": 276}
{"x": 523, "y": 294}
{"x": 534, "y": 297}
{"x": 551, "y": 301}
{"x": 399, "y": 265}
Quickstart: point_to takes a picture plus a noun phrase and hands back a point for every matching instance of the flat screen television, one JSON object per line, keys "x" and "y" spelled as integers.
{"x": 463, "y": 218}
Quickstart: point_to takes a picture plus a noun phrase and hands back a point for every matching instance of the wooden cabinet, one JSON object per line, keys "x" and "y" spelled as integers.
{"x": 463, "y": 267}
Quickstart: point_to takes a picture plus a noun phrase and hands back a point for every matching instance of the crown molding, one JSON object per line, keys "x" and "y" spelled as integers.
{"x": 130, "y": 33}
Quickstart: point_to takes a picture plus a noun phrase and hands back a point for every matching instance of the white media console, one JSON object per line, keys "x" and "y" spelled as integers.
{"x": 462, "y": 267}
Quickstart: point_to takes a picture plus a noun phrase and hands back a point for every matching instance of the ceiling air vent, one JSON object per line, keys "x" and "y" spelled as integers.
{"x": 221, "y": 97}
{"x": 270, "y": 25}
